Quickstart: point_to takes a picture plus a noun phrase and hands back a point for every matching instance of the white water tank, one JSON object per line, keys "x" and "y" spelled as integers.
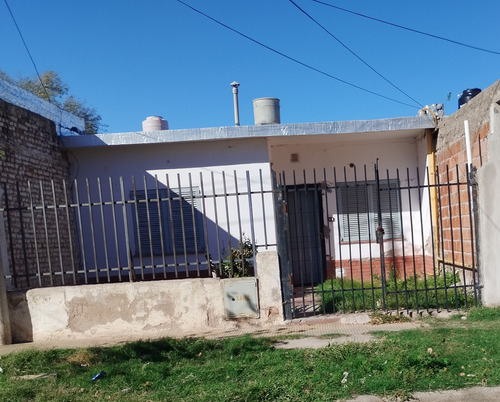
{"x": 266, "y": 111}
{"x": 154, "y": 123}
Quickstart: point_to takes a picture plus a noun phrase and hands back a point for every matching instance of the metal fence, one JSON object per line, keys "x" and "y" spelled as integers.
{"x": 368, "y": 240}
{"x": 347, "y": 240}
{"x": 95, "y": 231}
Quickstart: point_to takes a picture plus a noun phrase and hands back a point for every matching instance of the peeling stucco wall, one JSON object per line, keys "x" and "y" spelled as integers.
{"x": 139, "y": 310}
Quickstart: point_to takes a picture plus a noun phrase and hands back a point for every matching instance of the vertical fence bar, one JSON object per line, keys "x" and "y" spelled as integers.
{"x": 204, "y": 214}
{"x": 183, "y": 228}
{"x": 434, "y": 231}
{"x": 115, "y": 229}
{"x": 136, "y": 202}
{"x": 103, "y": 229}
{"x": 147, "y": 200}
{"x": 35, "y": 240}
{"x": 473, "y": 222}
{"x": 231, "y": 263}
{"x": 450, "y": 208}
{"x": 337, "y": 204}
{"x": 195, "y": 224}
{"x": 360, "y": 247}
{"x": 58, "y": 232}
{"x": 349, "y": 232}
{"x": 400, "y": 205}
{"x": 380, "y": 239}
{"x": 264, "y": 220}
{"x": 422, "y": 239}
{"x": 252, "y": 229}
{"x": 410, "y": 206}
{"x": 216, "y": 216}
{"x": 329, "y": 273}
{"x": 438, "y": 183}
{"x": 67, "y": 206}
{"x": 130, "y": 260}
{"x": 319, "y": 252}
{"x": 161, "y": 229}
{"x": 464, "y": 285}
{"x": 80, "y": 225}
{"x": 47, "y": 238}
{"x": 370, "y": 255}
{"x": 289, "y": 263}
{"x": 92, "y": 230}
{"x": 238, "y": 213}
{"x": 172, "y": 230}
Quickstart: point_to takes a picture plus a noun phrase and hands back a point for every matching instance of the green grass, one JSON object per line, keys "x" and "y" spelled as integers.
{"x": 346, "y": 295}
{"x": 444, "y": 355}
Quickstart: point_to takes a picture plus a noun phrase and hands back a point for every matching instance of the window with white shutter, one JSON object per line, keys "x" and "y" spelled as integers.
{"x": 358, "y": 210}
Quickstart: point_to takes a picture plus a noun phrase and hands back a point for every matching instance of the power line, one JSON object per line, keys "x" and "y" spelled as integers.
{"x": 293, "y": 59}
{"x": 353, "y": 53}
{"x": 408, "y": 29}
{"x": 28, "y": 51}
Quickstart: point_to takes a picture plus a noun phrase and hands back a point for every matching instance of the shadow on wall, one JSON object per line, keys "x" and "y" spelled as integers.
{"x": 20, "y": 318}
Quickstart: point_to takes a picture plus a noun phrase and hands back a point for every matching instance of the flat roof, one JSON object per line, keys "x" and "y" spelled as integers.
{"x": 411, "y": 126}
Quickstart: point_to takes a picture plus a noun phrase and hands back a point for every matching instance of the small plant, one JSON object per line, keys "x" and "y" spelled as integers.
{"x": 380, "y": 318}
{"x": 239, "y": 261}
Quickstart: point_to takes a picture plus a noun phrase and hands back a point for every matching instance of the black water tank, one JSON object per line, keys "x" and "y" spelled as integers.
{"x": 467, "y": 95}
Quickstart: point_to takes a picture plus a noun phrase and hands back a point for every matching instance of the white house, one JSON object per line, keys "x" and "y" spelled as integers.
{"x": 231, "y": 160}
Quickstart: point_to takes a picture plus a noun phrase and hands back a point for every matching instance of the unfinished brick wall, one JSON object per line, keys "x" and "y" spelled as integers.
{"x": 456, "y": 217}
{"x": 31, "y": 152}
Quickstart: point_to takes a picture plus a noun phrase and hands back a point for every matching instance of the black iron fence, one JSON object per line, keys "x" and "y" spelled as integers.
{"x": 348, "y": 240}
{"x": 367, "y": 240}
{"x": 93, "y": 230}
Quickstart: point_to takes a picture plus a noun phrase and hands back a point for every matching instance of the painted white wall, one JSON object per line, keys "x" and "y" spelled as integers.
{"x": 345, "y": 158}
{"x": 235, "y": 167}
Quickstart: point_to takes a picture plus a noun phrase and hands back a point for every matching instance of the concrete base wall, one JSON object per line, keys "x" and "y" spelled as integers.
{"x": 139, "y": 310}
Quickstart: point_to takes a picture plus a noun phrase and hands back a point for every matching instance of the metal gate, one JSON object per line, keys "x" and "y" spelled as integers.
{"x": 353, "y": 241}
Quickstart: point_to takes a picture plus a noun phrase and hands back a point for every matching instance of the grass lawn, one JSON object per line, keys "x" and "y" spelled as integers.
{"x": 440, "y": 291}
{"x": 447, "y": 354}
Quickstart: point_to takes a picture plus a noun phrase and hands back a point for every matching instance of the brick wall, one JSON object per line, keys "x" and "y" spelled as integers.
{"x": 404, "y": 267}
{"x": 456, "y": 218}
{"x": 31, "y": 152}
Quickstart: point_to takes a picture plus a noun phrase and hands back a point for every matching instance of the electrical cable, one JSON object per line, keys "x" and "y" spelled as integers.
{"x": 27, "y": 50}
{"x": 408, "y": 29}
{"x": 353, "y": 53}
{"x": 293, "y": 59}
{"x": 73, "y": 129}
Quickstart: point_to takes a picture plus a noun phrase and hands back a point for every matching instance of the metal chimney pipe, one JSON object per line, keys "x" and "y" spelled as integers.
{"x": 235, "y": 86}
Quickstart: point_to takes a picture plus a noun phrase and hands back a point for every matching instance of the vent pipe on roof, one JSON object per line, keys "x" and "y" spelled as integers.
{"x": 154, "y": 123}
{"x": 266, "y": 111}
{"x": 235, "y": 86}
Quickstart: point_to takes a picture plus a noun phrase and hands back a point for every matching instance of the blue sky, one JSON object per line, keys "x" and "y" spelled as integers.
{"x": 132, "y": 59}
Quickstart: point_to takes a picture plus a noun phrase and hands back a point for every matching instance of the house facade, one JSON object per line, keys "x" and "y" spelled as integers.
{"x": 307, "y": 206}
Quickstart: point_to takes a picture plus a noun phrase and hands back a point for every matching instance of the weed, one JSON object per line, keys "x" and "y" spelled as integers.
{"x": 347, "y": 295}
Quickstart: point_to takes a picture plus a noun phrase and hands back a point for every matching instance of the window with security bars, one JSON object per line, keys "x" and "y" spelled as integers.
{"x": 166, "y": 221}
{"x": 358, "y": 209}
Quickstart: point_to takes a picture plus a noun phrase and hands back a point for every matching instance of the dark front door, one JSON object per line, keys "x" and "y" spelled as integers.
{"x": 305, "y": 220}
